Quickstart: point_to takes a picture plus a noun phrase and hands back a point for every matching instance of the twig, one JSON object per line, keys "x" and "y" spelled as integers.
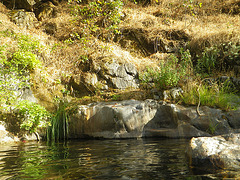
{"x": 37, "y": 136}
{"x": 199, "y": 100}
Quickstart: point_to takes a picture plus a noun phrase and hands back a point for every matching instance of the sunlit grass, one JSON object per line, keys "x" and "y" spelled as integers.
{"x": 215, "y": 95}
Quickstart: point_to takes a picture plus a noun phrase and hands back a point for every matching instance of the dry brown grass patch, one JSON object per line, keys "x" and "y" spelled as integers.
{"x": 3, "y": 8}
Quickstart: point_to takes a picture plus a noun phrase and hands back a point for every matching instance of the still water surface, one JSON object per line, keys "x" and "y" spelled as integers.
{"x": 97, "y": 159}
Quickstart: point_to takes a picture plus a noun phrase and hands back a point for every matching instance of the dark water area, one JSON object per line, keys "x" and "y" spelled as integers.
{"x": 98, "y": 159}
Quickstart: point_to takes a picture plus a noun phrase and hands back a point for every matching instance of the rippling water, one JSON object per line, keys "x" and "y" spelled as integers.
{"x": 97, "y": 159}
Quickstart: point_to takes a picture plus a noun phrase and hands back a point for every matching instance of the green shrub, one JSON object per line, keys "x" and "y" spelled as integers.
{"x": 97, "y": 18}
{"x": 217, "y": 58}
{"x": 231, "y": 52}
{"x": 107, "y": 11}
{"x": 169, "y": 72}
{"x": 15, "y": 67}
{"x": 9, "y": 80}
{"x": 33, "y": 116}
{"x": 3, "y": 57}
{"x": 27, "y": 43}
{"x": 208, "y": 60}
{"x": 24, "y": 61}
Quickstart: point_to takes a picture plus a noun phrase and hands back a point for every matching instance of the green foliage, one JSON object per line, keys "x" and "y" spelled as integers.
{"x": 216, "y": 95}
{"x": 108, "y": 11}
{"x": 9, "y": 81}
{"x": 3, "y": 57}
{"x": 217, "y": 57}
{"x": 33, "y": 116}
{"x": 208, "y": 61}
{"x": 169, "y": 72}
{"x": 97, "y": 14}
{"x": 15, "y": 67}
{"x": 116, "y": 97}
{"x": 25, "y": 60}
{"x": 14, "y": 75}
{"x": 231, "y": 51}
{"x": 25, "y": 42}
{"x": 58, "y": 130}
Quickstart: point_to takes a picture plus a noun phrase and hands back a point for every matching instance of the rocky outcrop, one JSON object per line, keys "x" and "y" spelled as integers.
{"x": 149, "y": 118}
{"x": 219, "y": 152}
{"x": 26, "y": 13}
{"x": 45, "y": 10}
{"x": 21, "y": 4}
{"x": 28, "y": 5}
{"x": 23, "y": 18}
{"x": 104, "y": 76}
{"x": 121, "y": 76}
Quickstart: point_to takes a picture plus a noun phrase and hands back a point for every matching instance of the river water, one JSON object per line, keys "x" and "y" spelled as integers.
{"x": 144, "y": 159}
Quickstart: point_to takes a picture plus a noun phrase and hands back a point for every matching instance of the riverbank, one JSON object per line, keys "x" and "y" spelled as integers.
{"x": 180, "y": 53}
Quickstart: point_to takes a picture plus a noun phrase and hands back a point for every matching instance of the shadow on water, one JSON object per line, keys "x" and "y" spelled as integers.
{"x": 98, "y": 159}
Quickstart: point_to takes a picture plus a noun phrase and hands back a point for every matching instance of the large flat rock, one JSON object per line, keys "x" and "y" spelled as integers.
{"x": 149, "y": 118}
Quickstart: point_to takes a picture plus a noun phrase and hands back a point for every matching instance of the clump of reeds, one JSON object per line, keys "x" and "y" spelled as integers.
{"x": 58, "y": 131}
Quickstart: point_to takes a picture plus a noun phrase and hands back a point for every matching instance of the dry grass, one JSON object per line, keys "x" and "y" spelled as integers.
{"x": 213, "y": 23}
{"x": 3, "y": 9}
{"x": 208, "y": 27}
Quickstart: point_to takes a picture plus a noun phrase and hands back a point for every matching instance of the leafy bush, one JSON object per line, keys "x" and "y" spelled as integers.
{"x": 109, "y": 12}
{"x": 169, "y": 72}
{"x": 231, "y": 52}
{"x": 27, "y": 43}
{"x": 14, "y": 75}
{"x": 33, "y": 116}
{"x": 96, "y": 18}
{"x": 218, "y": 57}
{"x": 15, "y": 67}
{"x": 3, "y": 57}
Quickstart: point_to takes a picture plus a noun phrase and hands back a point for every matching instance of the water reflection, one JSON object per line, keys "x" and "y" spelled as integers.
{"x": 96, "y": 159}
